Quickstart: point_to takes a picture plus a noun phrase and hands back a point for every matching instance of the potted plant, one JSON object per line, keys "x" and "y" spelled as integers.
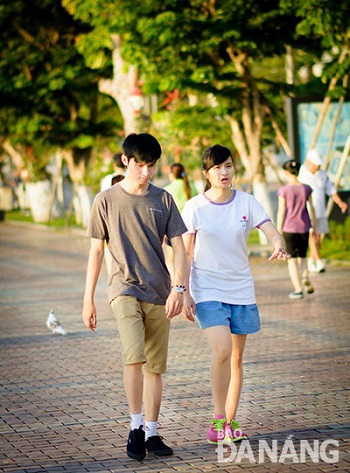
{"x": 38, "y": 185}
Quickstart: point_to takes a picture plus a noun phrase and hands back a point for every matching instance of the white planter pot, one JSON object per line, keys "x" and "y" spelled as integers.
{"x": 39, "y": 194}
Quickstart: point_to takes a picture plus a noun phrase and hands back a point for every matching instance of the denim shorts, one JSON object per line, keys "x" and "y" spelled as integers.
{"x": 242, "y": 319}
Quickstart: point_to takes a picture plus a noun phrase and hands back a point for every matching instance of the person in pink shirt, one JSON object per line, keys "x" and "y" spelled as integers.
{"x": 293, "y": 221}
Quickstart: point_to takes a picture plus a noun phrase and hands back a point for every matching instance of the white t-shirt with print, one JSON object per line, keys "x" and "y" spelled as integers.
{"x": 321, "y": 186}
{"x": 220, "y": 267}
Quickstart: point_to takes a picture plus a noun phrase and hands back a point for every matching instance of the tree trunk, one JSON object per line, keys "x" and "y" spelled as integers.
{"x": 120, "y": 88}
{"x": 247, "y": 136}
{"x": 81, "y": 197}
{"x": 344, "y": 158}
{"x": 326, "y": 102}
{"x": 335, "y": 122}
{"x": 16, "y": 157}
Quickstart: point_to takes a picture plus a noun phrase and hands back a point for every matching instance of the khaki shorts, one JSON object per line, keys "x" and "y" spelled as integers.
{"x": 144, "y": 332}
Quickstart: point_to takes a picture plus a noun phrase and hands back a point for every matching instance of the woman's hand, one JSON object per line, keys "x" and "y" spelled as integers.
{"x": 279, "y": 253}
{"x": 189, "y": 308}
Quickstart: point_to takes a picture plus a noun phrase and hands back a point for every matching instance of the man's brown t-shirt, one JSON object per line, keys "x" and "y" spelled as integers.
{"x": 134, "y": 227}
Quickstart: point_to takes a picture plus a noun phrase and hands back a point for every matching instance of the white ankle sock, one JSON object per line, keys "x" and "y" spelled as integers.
{"x": 136, "y": 421}
{"x": 151, "y": 429}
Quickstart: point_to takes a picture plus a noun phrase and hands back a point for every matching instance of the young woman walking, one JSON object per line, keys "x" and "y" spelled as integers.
{"x": 222, "y": 295}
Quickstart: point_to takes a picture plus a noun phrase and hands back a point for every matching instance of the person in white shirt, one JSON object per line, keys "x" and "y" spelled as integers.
{"x": 118, "y": 170}
{"x": 222, "y": 292}
{"x": 312, "y": 175}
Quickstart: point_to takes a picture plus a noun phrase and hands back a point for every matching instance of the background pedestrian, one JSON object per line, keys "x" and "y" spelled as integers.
{"x": 312, "y": 174}
{"x": 293, "y": 221}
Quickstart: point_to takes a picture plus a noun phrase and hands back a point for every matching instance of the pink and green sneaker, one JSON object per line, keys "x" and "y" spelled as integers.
{"x": 217, "y": 430}
{"x": 234, "y": 432}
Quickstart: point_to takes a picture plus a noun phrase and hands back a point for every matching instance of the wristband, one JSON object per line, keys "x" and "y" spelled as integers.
{"x": 179, "y": 288}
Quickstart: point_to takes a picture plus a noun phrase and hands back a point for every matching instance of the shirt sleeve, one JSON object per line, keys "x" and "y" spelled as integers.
{"x": 282, "y": 192}
{"x": 188, "y": 217}
{"x": 97, "y": 227}
{"x": 329, "y": 187}
{"x": 259, "y": 214}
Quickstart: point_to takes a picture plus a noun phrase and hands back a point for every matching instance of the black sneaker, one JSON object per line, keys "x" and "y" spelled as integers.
{"x": 156, "y": 445}
{"x": 135, "y": 448}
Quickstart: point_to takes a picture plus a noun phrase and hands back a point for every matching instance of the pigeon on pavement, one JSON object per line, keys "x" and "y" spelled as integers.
{"x": 54, "y": 325}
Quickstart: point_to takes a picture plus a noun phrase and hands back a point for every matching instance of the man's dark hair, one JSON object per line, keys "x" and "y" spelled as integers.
{"x": 143, "y": 147}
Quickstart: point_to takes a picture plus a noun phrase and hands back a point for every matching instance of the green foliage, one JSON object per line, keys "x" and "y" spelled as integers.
{"x": 57, "y": 223}
{"x": 336, "y": 244}
{"x": 49, "y": 97}
{"x": 186, "y": 132}
{"x": 54, "y": 53}
{"x": 323, "y": 20}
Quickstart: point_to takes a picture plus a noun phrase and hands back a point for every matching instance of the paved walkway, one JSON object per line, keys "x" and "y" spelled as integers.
{"x": 63, "y": 407}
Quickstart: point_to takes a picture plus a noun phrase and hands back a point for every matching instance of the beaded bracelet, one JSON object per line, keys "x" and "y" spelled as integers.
{"x": 179, "y": 287}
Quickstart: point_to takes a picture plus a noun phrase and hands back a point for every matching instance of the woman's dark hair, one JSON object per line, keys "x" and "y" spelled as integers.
{"x": 116, "y": 179}
{"x": 215, "y": 156}
{"x": 117, "y": 159}
{"x": 292, "y": 166}
{"x": 143, "y": 147}
{"x": 178, "y": 171}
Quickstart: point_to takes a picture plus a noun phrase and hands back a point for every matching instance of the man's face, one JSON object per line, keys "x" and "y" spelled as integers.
{"x": 311, "y": 166}
{"x": 140, "y": 172}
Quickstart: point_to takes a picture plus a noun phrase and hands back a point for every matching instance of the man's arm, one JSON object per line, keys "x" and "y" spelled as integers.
{"x": 340, "y": 203}
{"x": 93, "y": 271}
{"x": 312, "y": 213}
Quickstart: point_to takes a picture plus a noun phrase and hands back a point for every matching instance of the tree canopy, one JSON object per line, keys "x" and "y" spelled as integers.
{"x": 49, "y": 97}
{"x": 224, "y": 56}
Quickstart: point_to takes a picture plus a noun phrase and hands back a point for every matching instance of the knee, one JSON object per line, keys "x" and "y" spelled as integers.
{"x": 222, "y": 354}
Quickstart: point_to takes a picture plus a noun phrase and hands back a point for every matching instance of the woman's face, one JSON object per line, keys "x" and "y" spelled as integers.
{"x": 221, "y": 176}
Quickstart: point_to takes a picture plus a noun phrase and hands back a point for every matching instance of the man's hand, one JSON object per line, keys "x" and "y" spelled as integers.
{"x": 174, "y": 304}
{"x": 89, "y": 315}
{"x": 343, "y": 206}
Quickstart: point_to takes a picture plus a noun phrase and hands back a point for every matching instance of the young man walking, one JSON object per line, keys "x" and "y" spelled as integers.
{"x": 133, "y": 217}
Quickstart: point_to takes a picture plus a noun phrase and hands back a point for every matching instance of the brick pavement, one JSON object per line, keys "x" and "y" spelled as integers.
{"x": 63, "y": 407}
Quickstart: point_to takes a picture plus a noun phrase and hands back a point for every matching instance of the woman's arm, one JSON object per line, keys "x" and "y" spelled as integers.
{"x": 277, "y": 240}
{"x": 189, "y": 308}
{"x": 281, "y": 213}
